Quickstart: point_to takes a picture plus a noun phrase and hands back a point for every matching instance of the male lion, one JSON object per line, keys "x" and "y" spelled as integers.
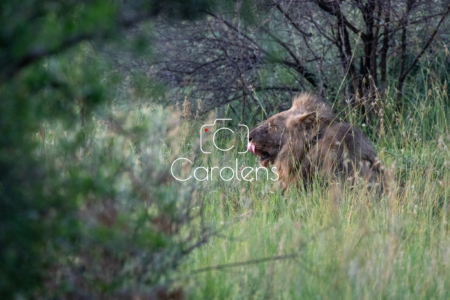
{"x": 307, "y": 140}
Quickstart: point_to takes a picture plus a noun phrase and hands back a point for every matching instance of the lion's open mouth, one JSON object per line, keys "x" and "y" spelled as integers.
{"x": 262, "y": 154}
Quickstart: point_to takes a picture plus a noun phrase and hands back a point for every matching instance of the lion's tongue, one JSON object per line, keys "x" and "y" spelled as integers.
{"x": 251, "y": 148}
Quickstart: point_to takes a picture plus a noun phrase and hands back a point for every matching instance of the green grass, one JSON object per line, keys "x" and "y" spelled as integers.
{"x": 335, "y": 242}
{"x": 330, "y": 242}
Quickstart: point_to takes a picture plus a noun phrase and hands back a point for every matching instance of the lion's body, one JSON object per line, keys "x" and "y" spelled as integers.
{"x": 307, "y": 141}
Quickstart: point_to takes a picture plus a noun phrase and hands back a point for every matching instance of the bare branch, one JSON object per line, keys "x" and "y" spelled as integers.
{"x": 310, "y": 77}
{"x": 334, "y": 9}
{"x": 403, "y": 73}
{"x": 428, "y": 42}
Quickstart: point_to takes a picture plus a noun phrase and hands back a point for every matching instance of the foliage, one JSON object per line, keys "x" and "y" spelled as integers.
{"x": 341, "y": 50}
{"x": 89, "y": 208}
{"x": 337, "y": 241}
{"x": 54, "y": 187}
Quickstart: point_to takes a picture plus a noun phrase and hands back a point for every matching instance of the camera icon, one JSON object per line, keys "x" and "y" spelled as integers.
{"x": 205, "y": 129}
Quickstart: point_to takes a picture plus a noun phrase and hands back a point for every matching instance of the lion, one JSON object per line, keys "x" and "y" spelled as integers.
{"x": 307, "y": 140}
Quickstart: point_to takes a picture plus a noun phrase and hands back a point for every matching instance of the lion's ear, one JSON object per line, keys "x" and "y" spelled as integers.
{"x": 304, "y": 120}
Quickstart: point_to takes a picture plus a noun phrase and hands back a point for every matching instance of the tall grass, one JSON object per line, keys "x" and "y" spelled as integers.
{"x": 330, "y": 242}
{"x": 336, "y": 242}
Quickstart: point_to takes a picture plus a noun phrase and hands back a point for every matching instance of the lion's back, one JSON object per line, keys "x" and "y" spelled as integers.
{"x": 342, "y": 149}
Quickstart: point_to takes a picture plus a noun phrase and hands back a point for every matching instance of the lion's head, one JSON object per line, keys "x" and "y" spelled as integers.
{"x": 288, "y": 132}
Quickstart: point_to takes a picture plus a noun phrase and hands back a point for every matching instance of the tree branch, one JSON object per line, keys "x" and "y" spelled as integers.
{"x": 403, "y": 73}
{"x": 310, "y": 77}
{"x": 245, "y": 263}
{"x": 337, "y": 13}
{"x": 38, "y": 52}
{"x": 428, "y": 43}
{"x": 287, "y": 16}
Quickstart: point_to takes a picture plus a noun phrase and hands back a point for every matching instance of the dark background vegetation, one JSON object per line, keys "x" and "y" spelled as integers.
{"x": 63, "y": 233}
